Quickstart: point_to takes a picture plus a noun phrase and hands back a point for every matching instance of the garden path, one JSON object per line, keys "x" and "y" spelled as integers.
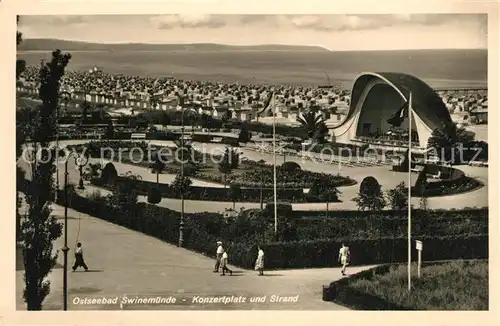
{"x": 123, "y": 261}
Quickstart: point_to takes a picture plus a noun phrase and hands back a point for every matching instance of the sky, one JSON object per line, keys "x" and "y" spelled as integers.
{"x": 334, "y": 32}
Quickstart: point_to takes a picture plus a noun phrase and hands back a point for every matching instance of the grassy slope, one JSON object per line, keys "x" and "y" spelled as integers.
{"x": 449, "y": 286}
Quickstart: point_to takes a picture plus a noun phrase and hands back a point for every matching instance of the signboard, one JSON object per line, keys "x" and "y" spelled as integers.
{"x": 419, "y": 245}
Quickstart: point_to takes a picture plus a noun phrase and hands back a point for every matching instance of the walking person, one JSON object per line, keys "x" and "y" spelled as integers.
{"x": 79, "y": 261}
{"x": 259, "y": 263}
{"x": 344, "y": 257}
{"x": 223, "y": 263}
{"x": 218, "y": 256}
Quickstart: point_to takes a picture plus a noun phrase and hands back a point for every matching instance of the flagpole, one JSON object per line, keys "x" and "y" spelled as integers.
{"x": 409, "y": 190}
{"x": 274, "y": 167}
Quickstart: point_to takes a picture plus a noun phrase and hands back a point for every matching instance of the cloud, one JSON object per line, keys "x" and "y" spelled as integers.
{"x": 188, "y": 21}
{"x": 367, "y": 22}
{"x": 26, "y": 20}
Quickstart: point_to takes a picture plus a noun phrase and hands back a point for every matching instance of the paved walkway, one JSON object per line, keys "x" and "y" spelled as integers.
{"x": 125, "y": 262}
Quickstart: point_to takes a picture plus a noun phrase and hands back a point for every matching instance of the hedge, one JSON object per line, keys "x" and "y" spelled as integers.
{"x": 241, "y": 235}
{"x": 468, "y": 212}
{"x": 453, "y": 181}
{"x": 324, "y": 253}
{"x": 218, "y": 193}
{"x": 202, "y": 230}
{"x": 381, "y": 226}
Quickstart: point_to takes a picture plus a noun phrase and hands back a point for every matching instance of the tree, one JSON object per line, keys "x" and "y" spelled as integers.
{"x": 181, "y": 185}
{"x": 370, "y": 195}
{"x": 322, "y": 189}
{"x": 39, "y": 229}
{"x": 110, "y": 130}
{"x": 421, "y": 182}
{"x": 86, "y": 108}
{"x": 124, "y": 194}
{"x": 245, "y": 135}
{"x": 206, "y": 121}
{"x": 226, "y": 116}
{"x": 153, "y": 103}
{"x": 314, "y": 125}
{"x": 229, "y": 162}
{"x": 448, "y": 140}
{"x": 398, "y": 197}
{"x": 20, "y": 64}
{"x": 92, "y": 171}
{"x": 109, "y": 174}
{"x": 22, "y": 121}
{"x": 234, "y": 194}
{"x": 157, "y": 167}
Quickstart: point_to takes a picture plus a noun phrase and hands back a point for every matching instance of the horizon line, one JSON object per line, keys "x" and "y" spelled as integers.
{"x": 249, "y": 45}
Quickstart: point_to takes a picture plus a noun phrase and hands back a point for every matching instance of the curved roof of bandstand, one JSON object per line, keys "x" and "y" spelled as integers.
{"x": 426, "y": 103}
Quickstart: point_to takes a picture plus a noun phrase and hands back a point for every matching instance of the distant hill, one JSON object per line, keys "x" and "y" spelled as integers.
{"x": 52, "y": 44}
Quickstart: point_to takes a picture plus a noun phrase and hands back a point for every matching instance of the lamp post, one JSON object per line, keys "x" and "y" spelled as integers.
{"x": 261, "y": 162}
{"x": 80, "y": 161}
{"x": 181, "y": 222}
{"x": 65, "y": 96}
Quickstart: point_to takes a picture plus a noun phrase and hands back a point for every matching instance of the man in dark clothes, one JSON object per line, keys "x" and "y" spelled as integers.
{"x": 79, "y": 262}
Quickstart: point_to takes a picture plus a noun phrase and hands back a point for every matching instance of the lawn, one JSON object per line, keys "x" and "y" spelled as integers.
{"x": 457, "y": 285}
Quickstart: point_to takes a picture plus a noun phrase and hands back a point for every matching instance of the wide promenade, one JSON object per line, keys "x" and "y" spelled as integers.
{"x": 124, "y": 262}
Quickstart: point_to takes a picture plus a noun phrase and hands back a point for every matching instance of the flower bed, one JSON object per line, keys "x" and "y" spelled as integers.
{"x": 293, "y": 195}
{"x": 452, "y": 181}
{"x": 263, "y": 176}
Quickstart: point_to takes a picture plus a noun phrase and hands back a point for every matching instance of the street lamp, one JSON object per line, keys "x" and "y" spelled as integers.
{"x": 80, "y": 161}
{"x": 181, "y": 222}
{"x": 65, "y": 96}
{"x": 261, "y": 162}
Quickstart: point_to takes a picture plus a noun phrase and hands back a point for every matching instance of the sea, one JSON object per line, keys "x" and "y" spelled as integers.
{"x": 438, "y": 68}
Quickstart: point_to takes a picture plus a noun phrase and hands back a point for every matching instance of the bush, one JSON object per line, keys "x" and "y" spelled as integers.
{"x": 109, "y": 174}
{"x": 290, "y": 166}
{"x": 370, "y": 195}
{"x": 154, "y": 195}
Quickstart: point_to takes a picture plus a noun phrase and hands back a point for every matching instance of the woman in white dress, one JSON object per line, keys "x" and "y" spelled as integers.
{"x": 259, "y": 263}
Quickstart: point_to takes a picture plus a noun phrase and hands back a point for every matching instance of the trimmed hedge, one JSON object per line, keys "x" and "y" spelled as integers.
{"x": 218, "y": 194}
{"x": 466, "y": 213}
{"x": 324, "y": 253}
{"x": 453, "y": 181}
{"x": 240, "y": 234}
{"x": 381, "y": 226}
